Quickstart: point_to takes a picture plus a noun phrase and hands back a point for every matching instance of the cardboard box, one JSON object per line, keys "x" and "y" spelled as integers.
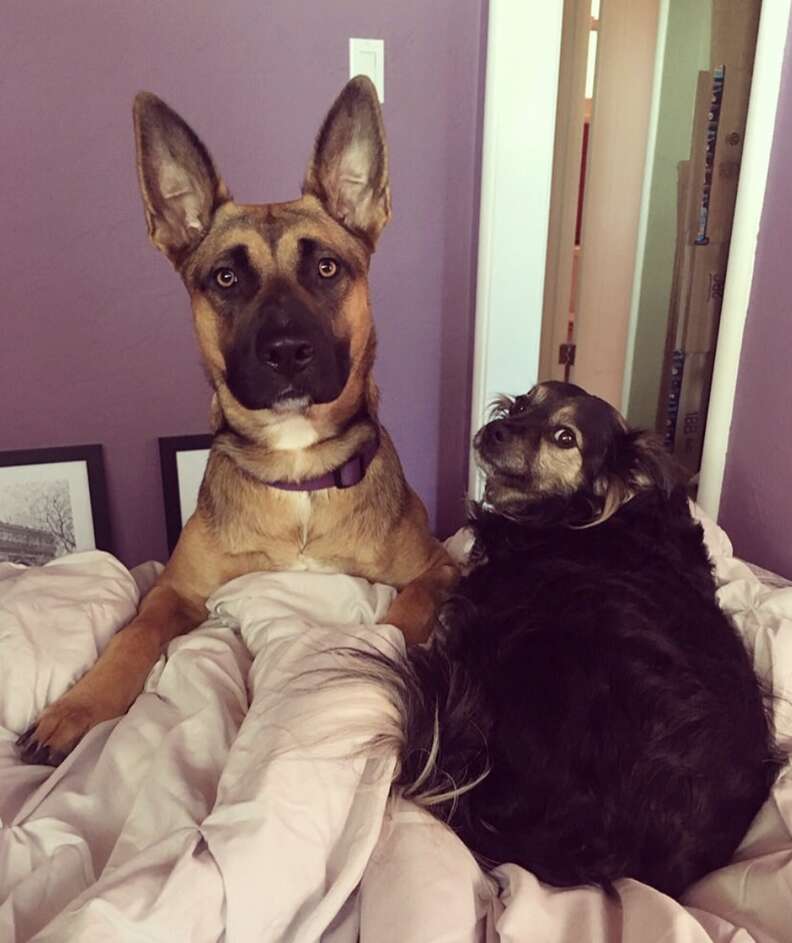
{"x": 692, "y": 411}
{"x": 735, "y": 24}
{"x": 707, "y": 276}
{"x": 697, "y": 163}
{"x": 728, "y": 153}
{"x": 707, "y": 191}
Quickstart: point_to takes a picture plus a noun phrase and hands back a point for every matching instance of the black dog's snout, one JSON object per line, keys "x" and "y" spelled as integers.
{"x": 497, "y": 432}
{"x": 286, "y": 355}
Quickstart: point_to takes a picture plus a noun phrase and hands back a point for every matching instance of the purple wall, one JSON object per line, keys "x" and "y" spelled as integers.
{"x": 756, "y": 505}
{"x": 96, "y": 343}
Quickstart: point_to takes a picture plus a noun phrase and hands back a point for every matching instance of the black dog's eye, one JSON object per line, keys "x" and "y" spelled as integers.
{"x": 225, "y": 277}
{"x": 519, "y": 406}
{"x": 328, "y": 268}
{"x": 564, "y": 438}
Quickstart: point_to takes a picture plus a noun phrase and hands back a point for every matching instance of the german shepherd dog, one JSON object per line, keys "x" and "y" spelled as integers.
{"x": 584, "y": 708}
{"x": 301, "y": 474}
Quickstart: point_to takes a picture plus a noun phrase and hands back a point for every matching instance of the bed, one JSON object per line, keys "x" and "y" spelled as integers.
{"x": 238, "y": 800}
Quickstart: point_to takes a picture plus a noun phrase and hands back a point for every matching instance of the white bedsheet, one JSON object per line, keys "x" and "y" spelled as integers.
{"x": 233, "y": 803}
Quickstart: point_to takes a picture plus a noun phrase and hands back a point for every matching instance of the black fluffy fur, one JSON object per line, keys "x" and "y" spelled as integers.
{"x": 591, "y": 675}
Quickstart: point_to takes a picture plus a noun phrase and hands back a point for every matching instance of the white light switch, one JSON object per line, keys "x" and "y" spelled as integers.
{"x": 367, "y": 57}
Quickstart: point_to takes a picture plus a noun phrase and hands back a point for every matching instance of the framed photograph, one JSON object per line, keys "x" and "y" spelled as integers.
{"x": 52, "y": 502}
{"x": 183, "y": 461}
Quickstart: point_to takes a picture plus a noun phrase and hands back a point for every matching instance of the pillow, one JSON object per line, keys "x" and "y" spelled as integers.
{"x": 715, "y": 537}
{"x": 54, "y": 621}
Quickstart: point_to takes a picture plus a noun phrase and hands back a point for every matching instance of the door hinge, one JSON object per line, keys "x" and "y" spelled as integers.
{"x": 566, "y": 354}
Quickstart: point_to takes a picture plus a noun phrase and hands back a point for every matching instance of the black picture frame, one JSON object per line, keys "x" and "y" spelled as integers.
{"x": 19, "y": 537}
{"x": 169, "y": 449}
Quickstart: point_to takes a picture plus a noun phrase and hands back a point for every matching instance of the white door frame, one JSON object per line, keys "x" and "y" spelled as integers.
{"x": 762, "y": 108}
{"x": 523, "y": 49}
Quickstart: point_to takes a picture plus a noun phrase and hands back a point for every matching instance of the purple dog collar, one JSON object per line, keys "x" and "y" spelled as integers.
{"x": 347, "y": 475}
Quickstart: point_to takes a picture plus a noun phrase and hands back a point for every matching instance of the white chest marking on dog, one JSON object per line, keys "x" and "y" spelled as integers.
{"x": 299, "y": 503}
{"x": 301, "y": 507}
{"x": 308, "y": 564}
{"x": 293, "y": 432}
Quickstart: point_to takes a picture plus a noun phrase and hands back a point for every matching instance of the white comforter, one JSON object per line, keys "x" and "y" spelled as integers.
{"x": 234, "y": 802}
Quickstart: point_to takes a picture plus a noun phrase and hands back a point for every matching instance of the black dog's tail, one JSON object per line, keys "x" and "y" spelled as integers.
{"x": 442, "y": 740}
{"x": 442, "y": 728}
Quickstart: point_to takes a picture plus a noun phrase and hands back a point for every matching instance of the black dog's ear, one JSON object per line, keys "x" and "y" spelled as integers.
{"x": 181, "y": 188}
{"x": 349, "y": 169}
{"x": 636, "y": 461}
{"x": 650, "y": 465}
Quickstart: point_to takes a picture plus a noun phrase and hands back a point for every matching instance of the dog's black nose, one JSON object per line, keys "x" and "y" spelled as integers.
{"x": 286, "y": 355}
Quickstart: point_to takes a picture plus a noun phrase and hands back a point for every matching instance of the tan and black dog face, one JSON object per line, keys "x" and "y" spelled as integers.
{"x": 279, "y": 291}
{"x": 559, "y": 443}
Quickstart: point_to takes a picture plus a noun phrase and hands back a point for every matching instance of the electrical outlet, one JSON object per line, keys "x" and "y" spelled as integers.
{"x": 367, "y": 57}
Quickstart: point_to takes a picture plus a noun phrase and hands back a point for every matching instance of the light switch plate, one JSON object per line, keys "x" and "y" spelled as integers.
{"x": 367, "y": 57}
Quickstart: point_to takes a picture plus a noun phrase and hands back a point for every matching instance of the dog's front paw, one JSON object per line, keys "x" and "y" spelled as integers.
{"x": 413, "y": 615}
{"x": 59, "y": 729}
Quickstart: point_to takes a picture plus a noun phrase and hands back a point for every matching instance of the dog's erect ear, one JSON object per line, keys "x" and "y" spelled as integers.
{"x": 349, "y": 169}
{"x": 180, "y": 186}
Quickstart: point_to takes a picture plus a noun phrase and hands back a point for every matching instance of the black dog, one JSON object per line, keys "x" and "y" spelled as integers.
{"x": 585, "y": 709}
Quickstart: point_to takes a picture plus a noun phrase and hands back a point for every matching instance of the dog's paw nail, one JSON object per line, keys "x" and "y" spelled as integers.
{"x": 30, "y": 751}
{"x": 41, "y": 756}
{"x": 54, "y": 757}
{"x": 23, "y": 738}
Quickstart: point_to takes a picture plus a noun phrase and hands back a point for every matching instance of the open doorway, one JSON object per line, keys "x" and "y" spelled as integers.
{"x": 646, "y": 165}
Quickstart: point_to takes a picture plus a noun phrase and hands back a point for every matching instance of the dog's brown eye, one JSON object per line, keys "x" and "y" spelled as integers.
{"x": 225, "y": 277}
{"x": 564, "y": 438}
{"x": 328, "y": 268}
